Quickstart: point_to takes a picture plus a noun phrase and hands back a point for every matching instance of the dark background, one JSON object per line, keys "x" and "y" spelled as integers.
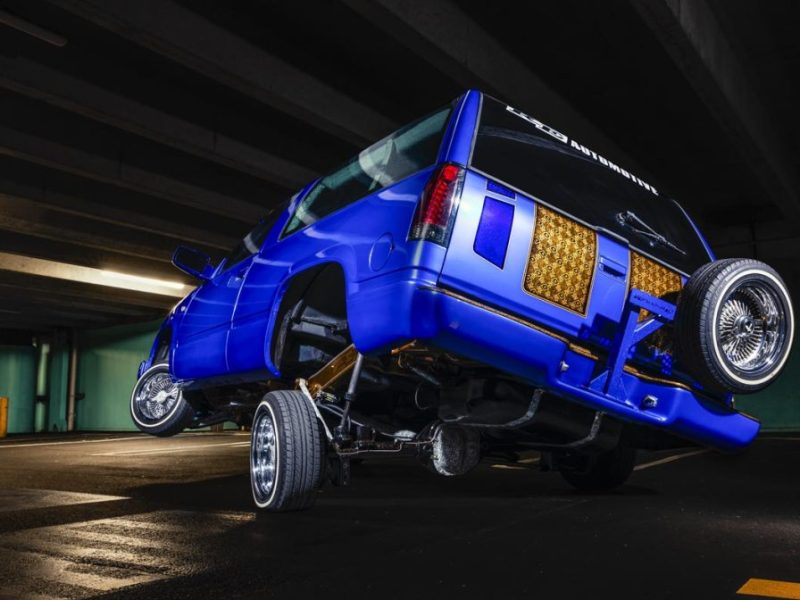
{"x": 161, "y": 122}
{"x": 128, "y": 127}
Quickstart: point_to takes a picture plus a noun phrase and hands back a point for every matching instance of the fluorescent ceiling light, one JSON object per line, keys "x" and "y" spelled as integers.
{"x": 136, "y": 279}
{"x": 59, "y": 270}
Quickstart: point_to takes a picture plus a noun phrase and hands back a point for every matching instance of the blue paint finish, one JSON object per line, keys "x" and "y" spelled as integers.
{"x": 706, "y": 245}
{"x": 494, "y": 229}
{"x": 449, "y": 298}
{"x": 497, "y": 188}
{"x": 630, "y": 333}
{"x": 499, "y": 341}
{"x": 459, "y": 146}
{"x": 504, "y": 289}
{"x": 381, "y": 249}
{"x": 345, "y": 238}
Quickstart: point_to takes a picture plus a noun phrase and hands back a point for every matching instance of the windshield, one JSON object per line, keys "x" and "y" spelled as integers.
{"x": 540, "y": 161}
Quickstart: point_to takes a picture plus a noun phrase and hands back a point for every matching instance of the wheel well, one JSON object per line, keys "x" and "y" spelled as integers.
{"x": 162, "y": 346}
{"x": 311, "y": 322}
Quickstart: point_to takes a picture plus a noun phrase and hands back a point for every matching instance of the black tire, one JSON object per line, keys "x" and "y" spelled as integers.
{"x": 719, "y": 303}
{"x": 602, "y": 472}
{"x": 455, "y": 450}
{"x": 297, "y": 454}
{"x": 151, "y": 416}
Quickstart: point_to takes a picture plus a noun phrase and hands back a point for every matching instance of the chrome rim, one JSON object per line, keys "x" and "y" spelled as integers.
{"x": 263, "y": 456}
{"x": 157, "y": 396}
{"x": 752, "y": 328}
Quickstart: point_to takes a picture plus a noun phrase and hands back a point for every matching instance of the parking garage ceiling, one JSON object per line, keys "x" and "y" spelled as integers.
{"x": 127, "y": 128}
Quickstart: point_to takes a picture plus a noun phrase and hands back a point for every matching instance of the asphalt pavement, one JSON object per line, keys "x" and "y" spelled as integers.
{"x": 129, "y": 516}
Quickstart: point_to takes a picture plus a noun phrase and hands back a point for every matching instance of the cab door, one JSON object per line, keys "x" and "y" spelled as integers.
{"x": 201, "y": 346}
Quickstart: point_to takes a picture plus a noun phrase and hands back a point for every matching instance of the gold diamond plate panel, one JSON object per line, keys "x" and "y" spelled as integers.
{"x": 658, "y": 281}
{"x": 653, "y": 278}
{"x": 562, "y": 261}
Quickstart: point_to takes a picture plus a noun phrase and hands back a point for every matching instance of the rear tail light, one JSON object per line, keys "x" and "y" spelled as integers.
{"x": 436, "y": 211}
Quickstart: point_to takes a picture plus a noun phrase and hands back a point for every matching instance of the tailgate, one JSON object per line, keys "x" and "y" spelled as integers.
{"x": 530, "y": 260}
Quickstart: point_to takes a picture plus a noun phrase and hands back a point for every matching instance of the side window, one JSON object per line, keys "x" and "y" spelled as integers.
{"x": 395, "y": 157}
{"x": 252, "y": 242}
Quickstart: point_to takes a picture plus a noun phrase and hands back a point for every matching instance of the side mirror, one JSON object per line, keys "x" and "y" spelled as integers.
{"x": 194, "y": 262}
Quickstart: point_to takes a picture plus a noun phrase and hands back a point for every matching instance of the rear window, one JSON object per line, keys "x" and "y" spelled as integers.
{"x": 395, "y": 157}
{"x": 557, "y": 170}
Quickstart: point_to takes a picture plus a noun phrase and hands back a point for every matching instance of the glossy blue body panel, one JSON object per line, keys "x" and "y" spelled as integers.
{"x": 494, "y": 231}
{"x": 451, "y": 298}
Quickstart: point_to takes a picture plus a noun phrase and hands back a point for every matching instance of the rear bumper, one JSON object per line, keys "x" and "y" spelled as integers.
{"x": 398, "y": 308}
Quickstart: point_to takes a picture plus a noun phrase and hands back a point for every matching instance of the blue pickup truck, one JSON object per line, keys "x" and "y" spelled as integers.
{"x": 474, "y": 285}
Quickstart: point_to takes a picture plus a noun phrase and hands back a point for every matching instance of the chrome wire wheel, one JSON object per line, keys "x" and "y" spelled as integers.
{"x": 264, "y": 457}
{"x": 158, "y": 406}
{"x": 735, "y": 326}
{"x": 157, "y": 396}
{"x": 752, "y": 328}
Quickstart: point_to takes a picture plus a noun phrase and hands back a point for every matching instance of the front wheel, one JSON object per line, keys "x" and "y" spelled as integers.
{"x": 157, "y": 403}
{"x": 602, "y": 472}
{"x": 287, "y": 453}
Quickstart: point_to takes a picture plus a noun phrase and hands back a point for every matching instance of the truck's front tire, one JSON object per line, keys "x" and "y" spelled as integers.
{"x": 157, "y": 403}
{"x": 287, "y": 453}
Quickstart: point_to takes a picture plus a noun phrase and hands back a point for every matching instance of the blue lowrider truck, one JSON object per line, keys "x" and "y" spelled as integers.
{"x": 474, "y": 285}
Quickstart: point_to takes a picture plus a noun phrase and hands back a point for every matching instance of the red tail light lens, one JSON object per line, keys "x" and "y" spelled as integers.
{"x": 437, "y": 208}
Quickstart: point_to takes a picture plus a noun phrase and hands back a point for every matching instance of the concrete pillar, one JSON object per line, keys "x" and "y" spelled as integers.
{"x": 72, "y": 380}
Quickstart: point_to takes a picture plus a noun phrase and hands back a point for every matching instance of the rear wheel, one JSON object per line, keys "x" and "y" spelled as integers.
{"x": 455, "y": 450}
{"x": 287, "y": 453}
{"x": 602, "y": 472}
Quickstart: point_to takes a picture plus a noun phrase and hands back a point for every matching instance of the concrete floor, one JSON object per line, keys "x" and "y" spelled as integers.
{"x": 139, "y": 517}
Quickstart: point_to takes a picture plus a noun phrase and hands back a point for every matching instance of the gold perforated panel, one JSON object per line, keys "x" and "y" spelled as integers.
{"x": 661, "y": 282}
{"x": 653, "y": 278}
{"x": 562, "y": 261}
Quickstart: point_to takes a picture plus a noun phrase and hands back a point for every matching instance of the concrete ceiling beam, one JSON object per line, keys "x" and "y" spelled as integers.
{"x": 116, "y": 171}
{"x": 59, "y": 89}
{"x": 691, "y": 35}
{"x": 187, "y": 38}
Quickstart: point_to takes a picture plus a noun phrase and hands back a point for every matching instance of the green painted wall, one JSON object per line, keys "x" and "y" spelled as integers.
{"x": 107, "y": 363}
{"x": 18, "y": 384}
{"x": 778, "y": 406}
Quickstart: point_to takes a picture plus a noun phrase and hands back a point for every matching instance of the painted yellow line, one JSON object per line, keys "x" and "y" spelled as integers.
{"x": 669, "y": 459}
{"x": 170, "y": 450}
{"x": 130, "y": 438}
{"x": 118, "y": 439}
{"x": 769, "y": 588}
